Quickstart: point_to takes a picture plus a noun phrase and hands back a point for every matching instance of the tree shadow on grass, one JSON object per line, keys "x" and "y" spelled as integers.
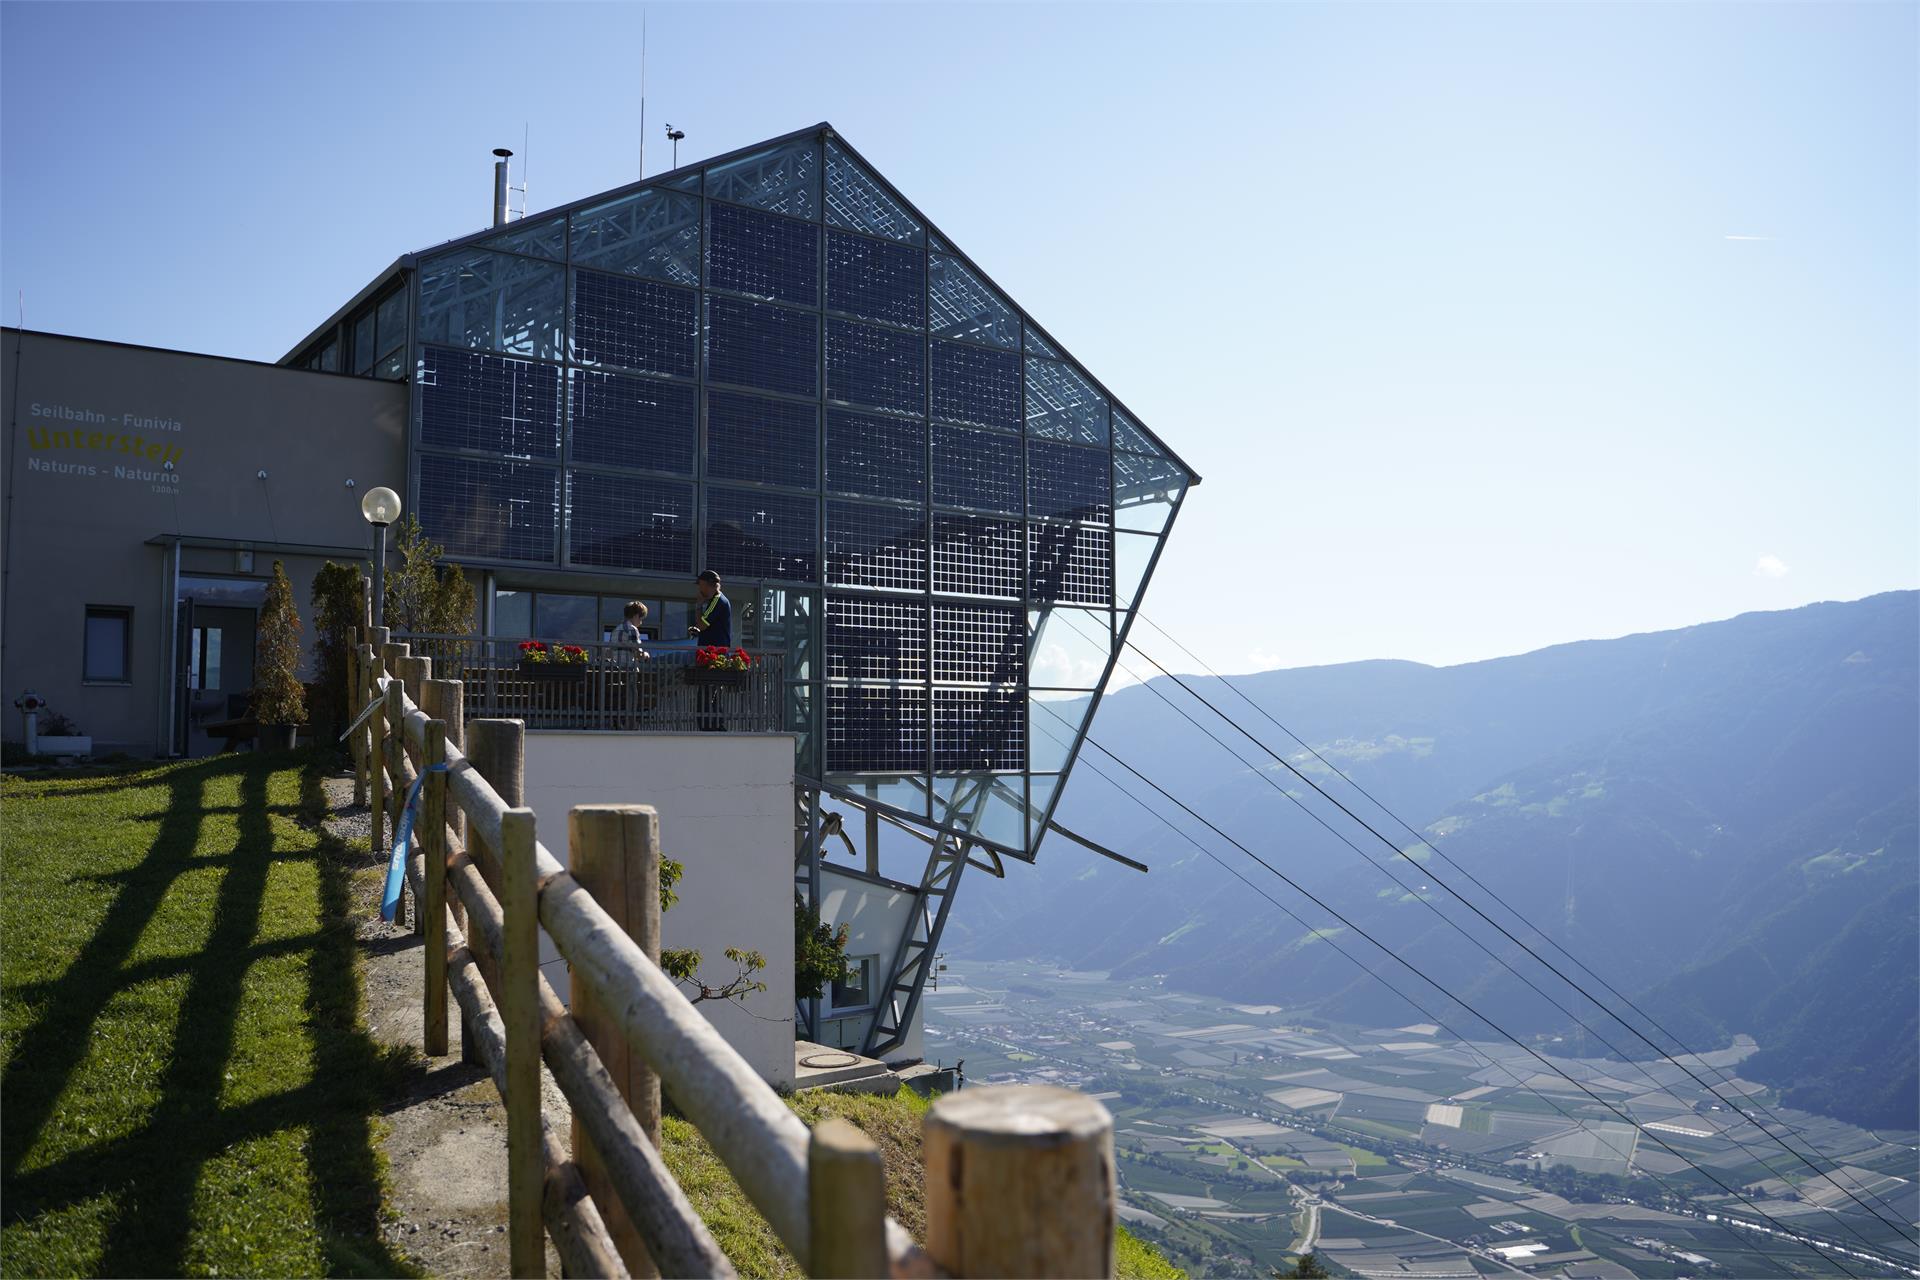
{"x": 156, "y": 1172}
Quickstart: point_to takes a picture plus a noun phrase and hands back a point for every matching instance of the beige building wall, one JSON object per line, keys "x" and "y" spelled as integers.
{"x": 112, "y": 453}
{"x": 725, "y": 802}
{"x": 877, "y": 915}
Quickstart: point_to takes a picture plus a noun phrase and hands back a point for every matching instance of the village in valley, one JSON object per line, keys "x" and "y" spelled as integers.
{"x": 1247, "y": 1133}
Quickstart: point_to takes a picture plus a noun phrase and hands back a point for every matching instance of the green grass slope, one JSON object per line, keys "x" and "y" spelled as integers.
{"x": 188, "y": 1090}
{"x": 894, "y": 1125}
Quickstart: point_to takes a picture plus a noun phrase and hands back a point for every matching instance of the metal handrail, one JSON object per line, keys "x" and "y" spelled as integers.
{"x": 614, "y": 688}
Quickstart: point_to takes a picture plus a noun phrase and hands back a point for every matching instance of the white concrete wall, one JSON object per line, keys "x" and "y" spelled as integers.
{"x": 726, "y": 813}
{"x": 875, "y": 916}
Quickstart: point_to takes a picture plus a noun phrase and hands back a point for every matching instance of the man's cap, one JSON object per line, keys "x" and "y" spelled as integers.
{"x": 708, "y": 575}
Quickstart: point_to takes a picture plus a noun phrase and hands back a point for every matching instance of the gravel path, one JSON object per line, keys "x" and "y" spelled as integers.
{"x": 446, "y": 1132}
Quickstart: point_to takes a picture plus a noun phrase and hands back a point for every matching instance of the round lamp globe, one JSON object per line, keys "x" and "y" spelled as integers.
{"x": 381, "y": 506}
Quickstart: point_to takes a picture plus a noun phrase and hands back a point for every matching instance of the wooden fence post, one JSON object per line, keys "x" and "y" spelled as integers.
{"x": 846, "y": 1203}
{"x": 520, "y": 1016}
{"x": 370, "y": 670}
{"x": 615, "y": 855}
{"x": 396, "y": 718}
{"x": 390, "y": 656}
{"x": 376, "y": 750}
{"x": 497, "y": 750}
{"x": 357, "y": 636}
{"x": 414, "y": 674}
{"x": 443, "y": 701}
{"x": 356, "y": 745}
{"x": 433, "y": 850}
{"x": 1019, "y": 1182}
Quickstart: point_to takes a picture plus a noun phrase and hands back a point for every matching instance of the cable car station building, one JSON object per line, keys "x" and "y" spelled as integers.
{"x": 934, "y": 523}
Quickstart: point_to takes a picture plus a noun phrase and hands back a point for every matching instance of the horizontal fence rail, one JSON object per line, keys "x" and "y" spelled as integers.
{"x": 610, "y": 1205}
{"x": 614, "y": 687}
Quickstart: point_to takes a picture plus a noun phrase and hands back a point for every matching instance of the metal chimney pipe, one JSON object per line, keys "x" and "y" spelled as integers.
{"x": 500, "y": 186}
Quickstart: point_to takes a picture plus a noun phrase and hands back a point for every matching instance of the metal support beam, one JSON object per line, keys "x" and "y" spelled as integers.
{"x": 913, "y": 955}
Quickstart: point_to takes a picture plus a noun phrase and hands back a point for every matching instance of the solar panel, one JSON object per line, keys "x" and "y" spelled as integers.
{"x": 495, "y": 404}
{"x": 630, "y": 522}
{"x": 876, "y": 639}
{"x": 879, "y": 368}
{"x": 759, "y": 439}
{"x": 876, "y": 457}
{"x": 1071, "y": 564}
{"x": 755, "y": 533}
{"x": 632, "y": 422}
{"x": 627, "y": 323}
{"x": 490, "y": 510}
{"x": 1068, "y": 482}
{"x": 763, "y": 254}
{"x": 756, "y": 344}
{"x": 876, "y": 279}
{"x": 976, "y": 385}
{"x": 875, "y": 546}
{"x": 978, "y": 469}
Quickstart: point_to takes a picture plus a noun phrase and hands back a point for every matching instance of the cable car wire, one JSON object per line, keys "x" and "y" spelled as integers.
{"x": 1904, "y": 1232}
{"x": 1370, "y": 972}
{"x": 1502, "y": 1032}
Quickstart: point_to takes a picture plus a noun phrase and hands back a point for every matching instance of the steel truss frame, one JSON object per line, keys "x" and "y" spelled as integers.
{"x": 950, "y": 851}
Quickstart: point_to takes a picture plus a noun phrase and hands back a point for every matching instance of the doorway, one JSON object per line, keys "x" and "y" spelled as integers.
{"x": 214, "y": 626}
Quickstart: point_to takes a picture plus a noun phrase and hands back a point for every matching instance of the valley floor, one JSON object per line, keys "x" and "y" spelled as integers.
{"x": 1246, "y": 1133}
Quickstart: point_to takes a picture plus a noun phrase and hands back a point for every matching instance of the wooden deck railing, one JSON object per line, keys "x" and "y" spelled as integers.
{"x": 1019, "y": 1181}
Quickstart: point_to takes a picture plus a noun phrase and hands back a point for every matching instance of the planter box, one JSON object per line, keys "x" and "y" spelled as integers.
{"x": 717, "y": 679}
{"x": 553, "y": 672}
{"x": 275, "y": 737}
{"x": 76, "y": 745}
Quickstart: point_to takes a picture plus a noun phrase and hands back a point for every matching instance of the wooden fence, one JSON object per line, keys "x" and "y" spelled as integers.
{"x": 1019, "y": 1181}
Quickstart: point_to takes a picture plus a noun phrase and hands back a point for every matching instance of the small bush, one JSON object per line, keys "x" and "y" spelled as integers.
{"x": 278, "y": 696}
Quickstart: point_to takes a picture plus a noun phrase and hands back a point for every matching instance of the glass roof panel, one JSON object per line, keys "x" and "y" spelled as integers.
{"x": 1128, "y": 435}
{"x": 962, "y": 305}
{"x": 545, "y": 238}
{"x": 1145, "y": 490}
{"x": 859, "y": 201}
{"x": 1069, "y": 648}
{"x": 1039, "y": 346}
{"x": 492, "y": 301}
{"x": 784, "y": 179}
{"x": 1054, "y": 720}
{"x": 650, "y": 233}
{"x": 1063, "y": 405}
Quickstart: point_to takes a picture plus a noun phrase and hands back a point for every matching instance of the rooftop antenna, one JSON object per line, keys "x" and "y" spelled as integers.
{"x": 526, "y": 167}
{"x": 674, "y": 135}
{"x": 643, "y": 92}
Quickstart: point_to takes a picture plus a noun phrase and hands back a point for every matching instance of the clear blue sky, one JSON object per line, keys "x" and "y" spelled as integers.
{"x": 1490, "y": 326}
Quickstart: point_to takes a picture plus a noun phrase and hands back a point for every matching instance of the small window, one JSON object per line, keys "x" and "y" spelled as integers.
{"x": 363, "y": 351}
{"x": 109, "y": 646}
{"x": 856, "y": 992}
{"x": 392, "y": 322}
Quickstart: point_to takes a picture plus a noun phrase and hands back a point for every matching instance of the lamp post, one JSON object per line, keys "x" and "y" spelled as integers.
{"x": 381, "y": 507}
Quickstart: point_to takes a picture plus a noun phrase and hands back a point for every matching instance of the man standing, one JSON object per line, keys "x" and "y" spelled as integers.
{"x": 713, "y": 616}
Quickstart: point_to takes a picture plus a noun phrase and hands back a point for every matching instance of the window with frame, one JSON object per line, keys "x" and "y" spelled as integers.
{"x": 855, "y": 992}
{"x": 108, "y": 648}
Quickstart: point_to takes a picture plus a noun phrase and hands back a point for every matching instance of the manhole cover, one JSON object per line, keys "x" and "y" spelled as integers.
{"x": 828, "y": 1061}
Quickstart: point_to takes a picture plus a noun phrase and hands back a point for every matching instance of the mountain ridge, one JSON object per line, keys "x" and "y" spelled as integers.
{"x": 1655, "y": 803}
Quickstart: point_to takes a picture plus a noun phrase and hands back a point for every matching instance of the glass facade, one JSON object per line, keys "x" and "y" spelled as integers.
{"x": 771, "y": 366}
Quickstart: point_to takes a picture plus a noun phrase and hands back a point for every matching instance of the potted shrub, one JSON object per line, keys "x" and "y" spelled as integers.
{"x": 279, "y": 701}
{"x": 56, "y": 735}
{"x": 542, "y": 661}
{"x": 716, "y": 665}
